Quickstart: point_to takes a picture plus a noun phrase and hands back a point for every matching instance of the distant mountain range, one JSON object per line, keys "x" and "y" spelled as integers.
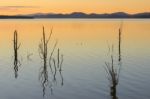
{"x": 80, "y": 15}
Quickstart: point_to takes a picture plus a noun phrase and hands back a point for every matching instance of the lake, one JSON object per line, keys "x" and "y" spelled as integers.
{"x": 74, "y": 62}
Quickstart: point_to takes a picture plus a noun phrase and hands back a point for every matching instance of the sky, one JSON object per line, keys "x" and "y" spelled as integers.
{"x": 13, "y": 7}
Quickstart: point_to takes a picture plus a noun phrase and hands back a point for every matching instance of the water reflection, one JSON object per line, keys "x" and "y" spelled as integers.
{"x": 48, "y": 74}
{"x": 29, "y": 56}
{"x": 60, "y": 70}
{"x": 119, "y": 42}
{"x": 113, "y": 71}
{"x": 16, "y": 48}
{"x": 57, "y": 67}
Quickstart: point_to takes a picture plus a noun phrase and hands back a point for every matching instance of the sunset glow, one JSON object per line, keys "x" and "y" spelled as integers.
{"x": 13, "y": 7}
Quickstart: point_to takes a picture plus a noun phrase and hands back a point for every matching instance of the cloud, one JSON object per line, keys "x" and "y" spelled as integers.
{"x": 16, "y": 7}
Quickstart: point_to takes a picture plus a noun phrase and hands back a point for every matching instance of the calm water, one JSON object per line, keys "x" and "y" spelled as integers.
{"x": 84, "y": 47}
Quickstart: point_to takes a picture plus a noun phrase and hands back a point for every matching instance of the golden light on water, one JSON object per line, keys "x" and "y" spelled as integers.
{"x": 67, "y": 31}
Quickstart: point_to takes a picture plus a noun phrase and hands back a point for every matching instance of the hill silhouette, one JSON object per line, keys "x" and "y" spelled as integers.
{"x": 80, "y": 15}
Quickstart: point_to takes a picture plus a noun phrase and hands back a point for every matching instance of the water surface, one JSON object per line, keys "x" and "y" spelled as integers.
{"x": 84, "y": 46}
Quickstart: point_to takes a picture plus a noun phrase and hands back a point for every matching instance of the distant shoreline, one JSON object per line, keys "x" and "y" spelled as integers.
{"x": 16, "y": 17}
{"x": 70, "y": 18}
{"x": 80, "y": 15}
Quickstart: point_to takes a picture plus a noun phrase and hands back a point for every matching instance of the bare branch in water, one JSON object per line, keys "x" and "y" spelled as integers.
{"x": 17, "y": 63}
{"x": 112, "y": 71}
{"x": 43, "y": 48}
{"x": 55, "y": 63}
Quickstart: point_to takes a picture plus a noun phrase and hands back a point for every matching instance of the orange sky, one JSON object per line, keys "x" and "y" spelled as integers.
{"x": 11, "y": 7}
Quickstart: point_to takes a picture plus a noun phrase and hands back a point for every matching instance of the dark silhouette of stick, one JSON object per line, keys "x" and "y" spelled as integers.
{"x": 16, "y": 48}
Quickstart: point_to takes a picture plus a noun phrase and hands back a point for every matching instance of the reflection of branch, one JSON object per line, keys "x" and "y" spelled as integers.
{"x": 59, "y": 64}
{"x": 60, "y": 71}
{"x": 58, "y": 58}
{"x": 54, "y": 69}
{"x": 50, "y": 59}
{"x": 16, "y": 48}
{"x": 29, "y": 56}
{"x": 58, "y": 67}
{"x": 119, "y": 47}
{"x": 62, "y": 59}
{"x": 43, "y": 77}
{"x": 62, "y": 79}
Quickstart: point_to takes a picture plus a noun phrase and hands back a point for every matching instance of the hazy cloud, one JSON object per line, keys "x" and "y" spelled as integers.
{"x": 16, "y": 7}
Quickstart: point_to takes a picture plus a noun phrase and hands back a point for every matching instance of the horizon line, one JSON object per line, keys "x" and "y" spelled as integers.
{"x": 72, "y": 13}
